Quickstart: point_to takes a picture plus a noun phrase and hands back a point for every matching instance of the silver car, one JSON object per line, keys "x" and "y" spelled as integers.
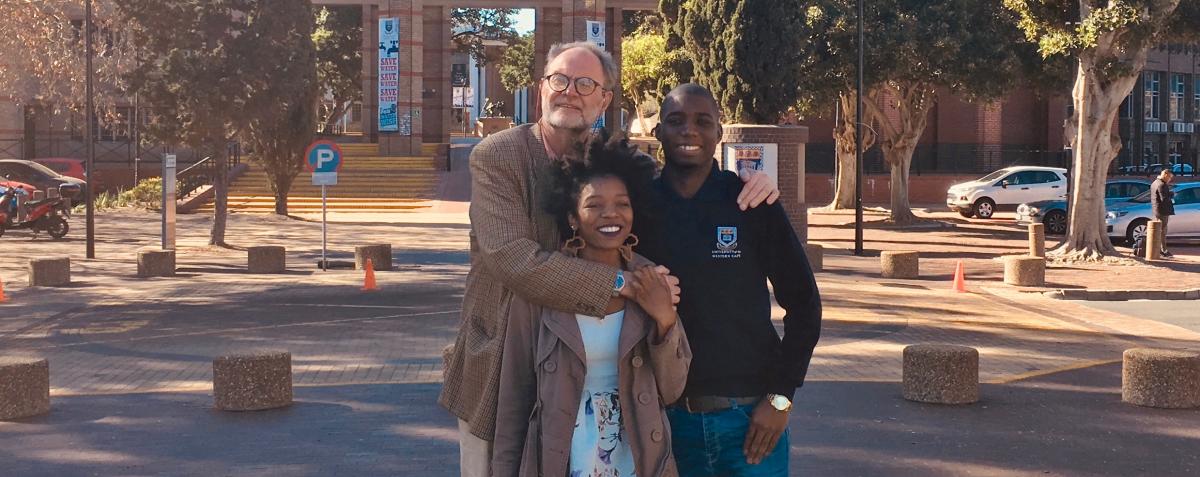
{"x": 1127, "y": 220}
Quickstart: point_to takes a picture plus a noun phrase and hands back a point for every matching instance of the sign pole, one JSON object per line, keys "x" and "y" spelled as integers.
{"x": 324, "y": 261}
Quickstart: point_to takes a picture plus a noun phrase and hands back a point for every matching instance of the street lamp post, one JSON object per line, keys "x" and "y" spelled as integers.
{"x": 91, "y": 134}
{"x": 858, "y": 152}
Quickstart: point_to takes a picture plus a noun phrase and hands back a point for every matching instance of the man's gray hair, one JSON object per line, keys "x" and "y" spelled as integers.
{"x": 606, "y": 60}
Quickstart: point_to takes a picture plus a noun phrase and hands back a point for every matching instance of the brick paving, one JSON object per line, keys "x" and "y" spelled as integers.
{"x": 131, "y": 359}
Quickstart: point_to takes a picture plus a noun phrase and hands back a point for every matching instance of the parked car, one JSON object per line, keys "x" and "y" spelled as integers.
{"x": 1127, "y": 220}
{"x": 64, "y": 165}
{"x": 1053, "y": 213}
{"x": 1005, "y": 189}
{"x": 5, "y": 183}
{"x": 42, "y": 177}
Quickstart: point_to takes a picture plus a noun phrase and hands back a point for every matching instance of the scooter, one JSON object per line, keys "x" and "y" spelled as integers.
{"x": 46, "y": 214}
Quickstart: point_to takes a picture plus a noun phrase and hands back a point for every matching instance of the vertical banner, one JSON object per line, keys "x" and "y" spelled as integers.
{"x": 389, "y": 73}
{"x": 595, "y": 34}
{"x": 739, "y": 157}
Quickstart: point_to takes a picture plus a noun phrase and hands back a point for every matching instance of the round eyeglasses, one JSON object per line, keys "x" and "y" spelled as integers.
{"x": 583, "y": 85}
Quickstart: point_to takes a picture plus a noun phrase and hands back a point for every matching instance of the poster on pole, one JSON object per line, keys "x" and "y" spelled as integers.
{"x": 389, "y": 73}
{"x": 595, "y": 34}
{"x": 756, "y": 157}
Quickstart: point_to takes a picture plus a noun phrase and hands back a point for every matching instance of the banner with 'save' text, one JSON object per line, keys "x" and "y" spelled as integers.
{"x": 389, "y": 73}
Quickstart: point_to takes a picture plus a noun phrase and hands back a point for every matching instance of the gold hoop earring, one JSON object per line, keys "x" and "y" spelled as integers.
{"x": 574, "y": 244}
{"x": 627, "y": 247}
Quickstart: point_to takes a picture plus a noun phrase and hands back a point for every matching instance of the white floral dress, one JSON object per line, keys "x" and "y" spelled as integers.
{"x": 598, "y": 446}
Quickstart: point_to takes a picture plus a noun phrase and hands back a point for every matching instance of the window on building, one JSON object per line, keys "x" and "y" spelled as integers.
{"x": 1127, "y": 107}
{"x": 1149, "y": 153}
{"x": 1196, "y": 99}
{"x": 1150, "y": 85}
{"x": 1176, "y": 107}
{"x": 1175, "y": 152}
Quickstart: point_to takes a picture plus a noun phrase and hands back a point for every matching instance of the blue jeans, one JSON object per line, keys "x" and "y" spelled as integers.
{"x": 710, "y": 444}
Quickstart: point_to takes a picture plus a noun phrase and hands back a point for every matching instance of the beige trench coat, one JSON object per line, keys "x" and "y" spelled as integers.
{"x": 542, "y": 378}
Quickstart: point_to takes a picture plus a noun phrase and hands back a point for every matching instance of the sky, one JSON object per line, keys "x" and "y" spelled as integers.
{"x": 524, "y": 23}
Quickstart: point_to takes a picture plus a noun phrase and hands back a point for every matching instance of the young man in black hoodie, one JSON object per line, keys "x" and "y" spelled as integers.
{"x": 732, "y": 420}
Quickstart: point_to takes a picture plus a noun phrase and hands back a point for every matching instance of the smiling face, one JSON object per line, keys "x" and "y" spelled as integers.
{"x": 604, "y": 214}
{"x": 568, "y": 109}
{"x": 690, "y": 129}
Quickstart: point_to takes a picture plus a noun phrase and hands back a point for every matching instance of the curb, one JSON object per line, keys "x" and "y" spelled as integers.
{"x": 1123, "y": 295}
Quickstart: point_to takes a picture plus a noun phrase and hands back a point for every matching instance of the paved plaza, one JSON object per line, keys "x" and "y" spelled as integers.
{"x": 130, "y": 358}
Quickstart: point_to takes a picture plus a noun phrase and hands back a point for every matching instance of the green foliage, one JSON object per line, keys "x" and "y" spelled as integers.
{"x": 338, "y": 42}
{"x": 746, "y": 51}
{"x": 1071, "y": 28}
{"x": 472, "y": 26}
{"x": 516, "y": 66}
{"x": 147, "y": 194}
{"x": 646, "y": 73}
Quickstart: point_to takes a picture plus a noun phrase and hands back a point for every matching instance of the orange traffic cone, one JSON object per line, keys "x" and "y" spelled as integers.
{"x": 2, "y": 297}
{"x": 960, "y": 282}
{"x": 369, "y": 281}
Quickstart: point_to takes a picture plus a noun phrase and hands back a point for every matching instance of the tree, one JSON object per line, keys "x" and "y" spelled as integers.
{"x": 220, "y": 70}
{"x": 967, "y": 47}
{"x": 1110, "y": 41}
{"x": 43, "y": 55}
{"x": 745, "y": 51}
{"x": 279, "y": 120}
{"x": 516, "y": 66}
{"x": 338, "y": 41}
{"x": 472, "y": 26}
{"x": 646, "y": 73}
{"x": 192, "y": 75}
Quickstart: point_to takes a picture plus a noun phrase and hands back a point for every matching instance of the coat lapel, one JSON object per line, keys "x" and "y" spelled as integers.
{"x": 633, "y": 329}
{"x": 564, "y": 325}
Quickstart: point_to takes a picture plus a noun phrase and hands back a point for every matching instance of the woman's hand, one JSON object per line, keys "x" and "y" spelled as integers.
{"x": 652, "y": 291}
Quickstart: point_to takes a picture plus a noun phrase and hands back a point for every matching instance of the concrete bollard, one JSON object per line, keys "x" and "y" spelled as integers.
{"x": 816, "y": 256}
{"x": 155, "y": 263}
{"x": 1161, "y": 378}
{"x": 252, "y": 381}
{"x": 899, "y": 264}
{"x": 941, "y": 374}
{"x": 266, "y": 259}
{"x": 50, "y": 272}
{"x": 380, "y": 255}
{"x": 1025, "y": 271}
{"x": 1154, "y": 239}
{"x": 1037, "y": 240}
{"x": 24, "y": 387}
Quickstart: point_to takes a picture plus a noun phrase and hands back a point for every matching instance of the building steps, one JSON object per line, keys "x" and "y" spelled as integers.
{"x": 367, "y": 182}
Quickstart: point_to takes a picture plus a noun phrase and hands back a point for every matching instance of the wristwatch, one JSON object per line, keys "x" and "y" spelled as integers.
{"x": 618, "y": 284}
{"x": 779, "y": 402}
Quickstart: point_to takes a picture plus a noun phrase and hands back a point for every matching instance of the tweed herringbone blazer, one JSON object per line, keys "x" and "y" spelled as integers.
{"x": 514, "y": 250}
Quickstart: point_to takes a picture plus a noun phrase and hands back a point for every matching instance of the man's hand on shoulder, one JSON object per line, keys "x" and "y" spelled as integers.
{"x": 759, "y": 188}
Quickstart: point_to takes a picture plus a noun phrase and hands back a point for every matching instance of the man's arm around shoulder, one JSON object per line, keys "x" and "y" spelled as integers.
{"x": 507, "y": 239}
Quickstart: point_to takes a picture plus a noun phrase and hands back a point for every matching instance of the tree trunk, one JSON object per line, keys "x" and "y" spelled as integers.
{"x": 637, "y": 110}
{"x": 900, "y": 137}
{"x": 843, "y": 137}
{"x": 1097, "y": 101}
{"x": 221, "y": 196}
{"x": 899, "y": 161}
{"x": 282, "y": 185}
